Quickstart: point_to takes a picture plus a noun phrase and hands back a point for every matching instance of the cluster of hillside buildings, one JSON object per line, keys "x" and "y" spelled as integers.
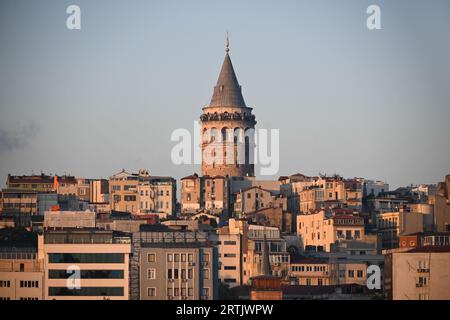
{"x": 228, "y": 236}
{"x": 297, "y": 237}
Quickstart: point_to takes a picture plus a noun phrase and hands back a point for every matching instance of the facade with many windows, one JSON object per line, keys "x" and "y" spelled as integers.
{"x": 86, "y": 264}
{"x": 177, "y": 271}
{"x": 21, "y": 274}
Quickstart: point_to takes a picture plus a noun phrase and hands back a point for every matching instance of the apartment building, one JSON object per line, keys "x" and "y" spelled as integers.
{"x": 210, "y": 193}
{"x": 21, "y": 274}
{"x": 391, "y": 225}
{"x": 418, "y": 274}
{"x": 141, "y": 193}
{"x": 86, "y": 264}
{"x": 255, "y": 198}
{"x": 173, "y": 265}
{"x": 309, "y": 271}
{"x": 191, "y": 194}
{"x": 442, "y": 206}
{"x": 279, "y": 257}
{"x": 98, "y": 191}
{"x": 321, "y": 230}
{"x": 230, "y": 248}
{"x": 324, "y": 271}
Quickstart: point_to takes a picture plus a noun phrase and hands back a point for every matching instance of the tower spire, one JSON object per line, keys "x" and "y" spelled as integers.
{"x": 227, "y": 44}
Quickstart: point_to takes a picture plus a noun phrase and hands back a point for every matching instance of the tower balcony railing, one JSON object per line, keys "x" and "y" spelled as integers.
{"x": 225, "y": 116}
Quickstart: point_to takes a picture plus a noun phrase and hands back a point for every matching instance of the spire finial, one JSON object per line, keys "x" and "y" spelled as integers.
{"x": 227, "y": 44}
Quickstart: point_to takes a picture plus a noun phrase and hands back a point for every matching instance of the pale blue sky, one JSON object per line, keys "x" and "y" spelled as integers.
{"x": 363, "y": 103}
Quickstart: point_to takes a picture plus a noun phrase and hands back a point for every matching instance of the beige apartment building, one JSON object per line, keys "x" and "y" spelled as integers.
{"x": 142, "y": 194}
{"x": 210, "y": 193}
{"x": 98, "y": 191}
{"x": 314, "y": 271}
{"x": 230, "y": 247}
{"x": 279, "y": 257}
{"x": 191, "y": 194}
{"x": 99, "y": 257}
{"x": 255, "y": 198}
{"x": 391, "y": 225}
{"x": 418, "y": 274}
{"x": 310, "y": 272}
{"x": 442, "y": 206}
{"x": 322, "y": 230}
{"x": 21, "y": 274}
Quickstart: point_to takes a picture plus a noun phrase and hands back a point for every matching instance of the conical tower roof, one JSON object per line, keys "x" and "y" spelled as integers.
{"x": 227, "y": 92}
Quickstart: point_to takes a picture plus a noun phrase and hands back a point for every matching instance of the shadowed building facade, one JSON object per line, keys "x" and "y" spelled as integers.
{"x": 227, "y": 128}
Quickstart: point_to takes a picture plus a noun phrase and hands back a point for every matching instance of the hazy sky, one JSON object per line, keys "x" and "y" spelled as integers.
{"x": 347, "y": 100}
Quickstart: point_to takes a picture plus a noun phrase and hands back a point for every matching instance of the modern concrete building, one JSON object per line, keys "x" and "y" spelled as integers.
{"x": 230, "y": 254}
{"x": 177, "y": 271}
{"x": 21, "y": 274}
{"x": 418, "y": 274}
{"x": 173, "y": 265}
{"x": 69, "y": 219}
{"x": 86, "y": 264}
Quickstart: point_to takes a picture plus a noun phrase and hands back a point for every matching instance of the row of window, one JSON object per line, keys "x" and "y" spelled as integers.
{"x": 87, "y": 274}
{"x": 158, "y": 205}
{"x": 86, "y": 291}
{"x": 29, "y": 284}
{"x": 160, "y": 193}
{"x": 5, "y": 284}
{"x": 308, "y": 268}
{"x": 86, "y": 257}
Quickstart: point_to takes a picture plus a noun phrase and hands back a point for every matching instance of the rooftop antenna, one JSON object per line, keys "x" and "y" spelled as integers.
{"x": 227, "y": 44}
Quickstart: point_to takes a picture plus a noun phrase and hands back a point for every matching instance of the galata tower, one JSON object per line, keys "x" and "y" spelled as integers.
{"x": 227, "y": 128}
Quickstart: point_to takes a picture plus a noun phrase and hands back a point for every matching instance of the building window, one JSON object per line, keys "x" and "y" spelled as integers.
{"x": 169, "y": 274}
{"x": 351, "y": 273}
{"x": 183, "y": 257}
{"x": 151, "y": 274}
{"x": 169, "y": 257}
{"x": 177, "y": 257}
{"x": 205, "y": 274}
{"x": 190, "y": 273}
{"x": 151, "y": 292}
{"x": 5, "y": 284}
{"x": 205, "y": 293}
{"x": 190, "y": 292}
{"x": 169, "y": 292}
{"x": 151, "y": 257}
{"x": 320, "y": 282}
{"x": 205, "y": 257}
{"x": 360, "y": 273}
{"x": 190, "y": 257}
{"x": 308, "y": 282}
